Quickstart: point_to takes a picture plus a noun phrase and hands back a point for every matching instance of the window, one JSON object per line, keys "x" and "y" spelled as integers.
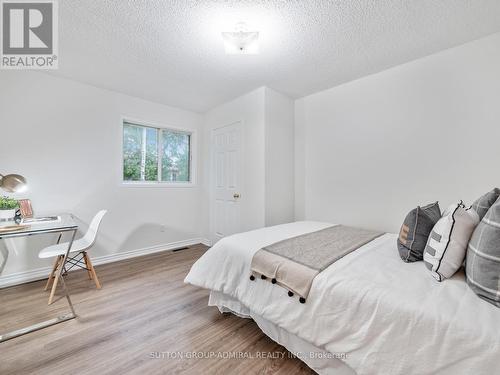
{"x": 153, "y": 154}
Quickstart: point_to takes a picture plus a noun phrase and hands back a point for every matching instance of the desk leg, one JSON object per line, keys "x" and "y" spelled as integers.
{"x": 61, "y": 274}
{"x": 51, "y": 322}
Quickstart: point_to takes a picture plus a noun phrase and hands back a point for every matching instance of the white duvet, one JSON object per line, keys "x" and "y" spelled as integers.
{"x": 389, "y": 317}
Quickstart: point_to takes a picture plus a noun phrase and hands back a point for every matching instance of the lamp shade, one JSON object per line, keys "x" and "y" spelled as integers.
{"x": 13, "y": 183}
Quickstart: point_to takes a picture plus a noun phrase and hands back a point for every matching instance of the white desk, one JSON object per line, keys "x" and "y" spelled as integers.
{"x": 66, "y": 224}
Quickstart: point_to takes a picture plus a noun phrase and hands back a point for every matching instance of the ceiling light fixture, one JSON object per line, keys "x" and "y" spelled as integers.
{"x": 241, "y": 41}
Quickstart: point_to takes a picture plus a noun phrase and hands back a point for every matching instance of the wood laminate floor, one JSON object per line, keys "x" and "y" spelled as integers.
{"x": 143, "y": 312}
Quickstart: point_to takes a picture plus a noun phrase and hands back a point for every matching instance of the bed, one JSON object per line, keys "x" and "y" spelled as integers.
{"x": 367, "y": 313}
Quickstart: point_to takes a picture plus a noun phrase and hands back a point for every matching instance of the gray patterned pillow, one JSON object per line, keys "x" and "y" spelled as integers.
{"x": 483, "y": 257}
{"x": 447, "y": 244}
{"x": 483, "y": 204}
{"x": 415, "y": 231}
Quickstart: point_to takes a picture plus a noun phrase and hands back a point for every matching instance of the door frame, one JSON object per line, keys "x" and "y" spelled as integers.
{"x": 211, "y": 205}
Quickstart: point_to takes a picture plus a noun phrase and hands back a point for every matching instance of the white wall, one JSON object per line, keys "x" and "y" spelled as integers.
{"x": 370, "y": 150}
{"x": 299, "y": 161}
{"x": 279, "y": 144}
{"x": 65, "y": 138}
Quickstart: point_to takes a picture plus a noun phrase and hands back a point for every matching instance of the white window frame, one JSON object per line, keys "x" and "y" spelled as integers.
{"x": 159, "y": 184}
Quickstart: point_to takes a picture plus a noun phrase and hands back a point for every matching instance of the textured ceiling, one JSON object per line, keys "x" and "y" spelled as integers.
{"x": 172, "y": 52}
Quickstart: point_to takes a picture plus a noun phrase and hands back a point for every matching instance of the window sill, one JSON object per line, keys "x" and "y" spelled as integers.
{"x": 158, "y": 184}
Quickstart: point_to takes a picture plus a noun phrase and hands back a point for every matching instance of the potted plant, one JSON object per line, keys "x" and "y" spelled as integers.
{"x": 8, "y": 207}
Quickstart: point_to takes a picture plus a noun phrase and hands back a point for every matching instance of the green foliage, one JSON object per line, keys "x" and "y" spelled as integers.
{"x": 7, "y": 203}
{"x": 132, "y": 153}
{"x": 175, "y": 156}
{"x": 174, "y": 148}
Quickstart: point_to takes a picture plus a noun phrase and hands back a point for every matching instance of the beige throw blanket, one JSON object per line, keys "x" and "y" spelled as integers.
{"x": 294, "y": 263}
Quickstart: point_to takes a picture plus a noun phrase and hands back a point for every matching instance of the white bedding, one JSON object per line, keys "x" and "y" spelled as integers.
{"x": 389, "y": 317}
{"x": 320, "y": 360}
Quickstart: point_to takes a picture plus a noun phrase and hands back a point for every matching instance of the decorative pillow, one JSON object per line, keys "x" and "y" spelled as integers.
{"x": 483, "y": 204}
{"x": 415, "y": 231}
{"x": 447, "y": 244}
{"x": 483, "y": 257}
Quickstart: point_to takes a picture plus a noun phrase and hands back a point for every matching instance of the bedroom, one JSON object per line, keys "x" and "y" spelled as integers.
{"x": 199, "y": 133}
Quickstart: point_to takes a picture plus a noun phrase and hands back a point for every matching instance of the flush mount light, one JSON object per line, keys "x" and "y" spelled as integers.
{"x": 241, "y": 41}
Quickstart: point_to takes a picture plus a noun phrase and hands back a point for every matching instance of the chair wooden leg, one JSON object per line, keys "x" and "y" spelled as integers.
{"x": 51, "y": 275}
{"x": 86, "y": 259}
{"x": 92, "y": 270}
{"x": 54, "y": 285}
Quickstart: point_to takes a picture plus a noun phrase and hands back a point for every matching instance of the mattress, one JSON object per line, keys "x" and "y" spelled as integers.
{"x": 386, "y": 316}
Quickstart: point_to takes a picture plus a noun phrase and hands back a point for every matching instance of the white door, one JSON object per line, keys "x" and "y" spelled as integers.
{"x": 226, "y": 180}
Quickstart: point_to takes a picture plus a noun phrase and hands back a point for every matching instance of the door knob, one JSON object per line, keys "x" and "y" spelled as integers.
{"x": 236, "y": 195}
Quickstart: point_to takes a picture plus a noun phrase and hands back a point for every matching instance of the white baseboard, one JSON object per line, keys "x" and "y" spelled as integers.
{"x": 206, "y": 242}
{"x": 41, "y": 273}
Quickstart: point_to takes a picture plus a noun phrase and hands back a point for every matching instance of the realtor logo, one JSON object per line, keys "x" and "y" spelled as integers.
{"x": 29, "y": 34}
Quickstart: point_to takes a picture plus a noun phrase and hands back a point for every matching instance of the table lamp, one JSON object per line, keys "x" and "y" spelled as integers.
{"x": 13, "y": 183}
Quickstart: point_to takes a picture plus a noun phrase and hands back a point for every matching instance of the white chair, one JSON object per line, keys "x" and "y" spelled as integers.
{"x": 81, "y": 259}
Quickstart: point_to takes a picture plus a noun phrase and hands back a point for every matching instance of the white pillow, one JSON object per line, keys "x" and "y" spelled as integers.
{"x": 447, "y": 243}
